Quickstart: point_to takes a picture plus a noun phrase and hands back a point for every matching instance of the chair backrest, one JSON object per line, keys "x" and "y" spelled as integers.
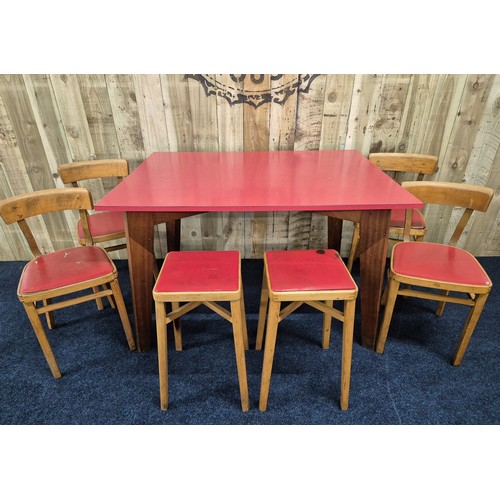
{"x": 467, "y": 196}
{"x": 72, "y": 173}
{"x": 405, "y": 162}
{"x": 21, "y": 207}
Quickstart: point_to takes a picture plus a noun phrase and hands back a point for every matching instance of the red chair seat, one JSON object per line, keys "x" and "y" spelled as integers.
{"x": 300, "y": 270}
{"x": 63, "y": 268}
{"x": 201, "y": 271}
{"x": 433, "y": 261}
{"x": 398, "y": 219}
{"x": 103, "y": 223}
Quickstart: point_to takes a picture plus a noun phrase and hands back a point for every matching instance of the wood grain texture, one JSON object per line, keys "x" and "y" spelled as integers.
{"x": 46, "y": 120}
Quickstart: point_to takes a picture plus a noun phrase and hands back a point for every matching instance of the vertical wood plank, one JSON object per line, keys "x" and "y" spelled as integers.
{"x": 29, "y": 144}
{"x": 460, "y": 143}
{"x": 73, "y": 116}
{"x": 48, "y": 120}
{"x": 123, "y": 100}
{"x": 256, "y": 138}
{"x": 152, "y": 117}
{"x": 308, "y": 137}
{"x": 485, "y": 155}
{"x": 366, "y": 88}
{"x": 388, "y": 113}
{"x": 230, "y": 138}
{"x": 338, "y": 92}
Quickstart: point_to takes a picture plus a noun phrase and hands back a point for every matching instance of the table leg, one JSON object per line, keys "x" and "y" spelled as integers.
{"x": 334, "y": 233}
{"x": 174, "y": 235}
{"x": 140, "y": 245}
{"x": 374, "y": 226}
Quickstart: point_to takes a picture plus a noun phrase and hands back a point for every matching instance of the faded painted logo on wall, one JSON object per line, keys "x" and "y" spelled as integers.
{"x": 254, "y": 90}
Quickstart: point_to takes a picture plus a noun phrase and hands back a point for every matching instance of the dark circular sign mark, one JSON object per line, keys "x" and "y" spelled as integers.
{"x": 252, "y": 89}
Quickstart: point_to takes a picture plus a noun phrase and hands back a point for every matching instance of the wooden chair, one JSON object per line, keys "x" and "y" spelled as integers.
{"x": 196, "y": 278}
{"x": 442, "y": 268}
{"x": 399, "y": 163}
{"x": 313, "y": 277}
{"x": 61, "y": 272}
{"x": 103, "y": 226}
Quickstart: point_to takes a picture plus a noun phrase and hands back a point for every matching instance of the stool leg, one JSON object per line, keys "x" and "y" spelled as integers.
{"x": 264, "y": 297}
{"x": 272, "y": 330}
{"x": 244, "y": 322}
{"x": 239, "y": 347}
{"x": 347, "y": 334}
{"x": 177, "y": 329}
{"x": 161, "y": 333}
{"x": 327, "y": 326}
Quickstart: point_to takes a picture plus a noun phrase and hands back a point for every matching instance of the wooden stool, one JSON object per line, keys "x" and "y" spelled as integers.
{"x": 200, "y": 278}
{"x": 313, "y": 277}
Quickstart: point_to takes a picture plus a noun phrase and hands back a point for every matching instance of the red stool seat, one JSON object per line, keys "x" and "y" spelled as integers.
{"x": 200, "y": 272}
{"x": 103, "y": 223}
{"x": 433, "y": 261}
{"x": 307, "y": 270}
{"x": 64, "y": 268}
{"x": 398, "y": 219}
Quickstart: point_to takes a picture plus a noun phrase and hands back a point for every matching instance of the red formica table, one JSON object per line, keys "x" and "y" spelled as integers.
{"x": 342, "y": 185}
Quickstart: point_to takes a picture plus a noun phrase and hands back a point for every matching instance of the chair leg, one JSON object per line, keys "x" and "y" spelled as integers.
{"x": 264, "y": 297}
{"x": 327, "y": 326}
{"x": 239, "y": 347}
{"x": 354, "y": 247}
{"x": 161, "y": 334}
{"x": 122, "y": 311}
{"x": 386, "y": 321}
{"x": 347, "y": 336}
{"x": 440, "y": 308}
{"x": 109, "y": 297}
{"x": 177, "y": 329}
{"x": 31, "y": 311}
{"x": 469, "y": 327}
{"x": 100, "y": 307}
{"x": 49, "y": 316}
{"x": 267, "y": 366}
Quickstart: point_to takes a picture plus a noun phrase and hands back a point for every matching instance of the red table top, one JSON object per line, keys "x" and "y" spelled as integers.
{"x": 257, "y": 181}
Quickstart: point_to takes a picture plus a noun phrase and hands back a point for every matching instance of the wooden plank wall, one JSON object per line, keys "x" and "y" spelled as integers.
{"x": 50, "y": 119}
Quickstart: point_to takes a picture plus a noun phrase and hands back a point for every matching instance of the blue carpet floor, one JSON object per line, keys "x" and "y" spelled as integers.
{"x": 104, "y": 383}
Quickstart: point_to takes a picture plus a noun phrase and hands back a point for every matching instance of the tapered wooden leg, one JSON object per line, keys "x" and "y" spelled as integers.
{"x": 177, "y": 329}
{"x": 373, "y": 230}
{"x": 109, "y": 297}
{"x": 100, "y": 307}
{"x": 264, "y": 297}
{"x": 440, "y": 308}
{"x": 327, "y": 326}
{"x": 469, "y": 327}
{"x": 334, "y": 233}
{"x": 386, "y": 321}
{"x": 347, "y": 334}
{"x": 267, "y": 366}
{"x": 244, "y": 322}
{"x": 239, "y": 347}
{"x": 173, "y": 235}
{"x": 42, "y": 338}
{"x": 353, "y": 252}
{"x": 161, "y": 334}
{"x": 49, "y": 316}
{"x": 140, "y": 241}
{"x": 122, "y": 311}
